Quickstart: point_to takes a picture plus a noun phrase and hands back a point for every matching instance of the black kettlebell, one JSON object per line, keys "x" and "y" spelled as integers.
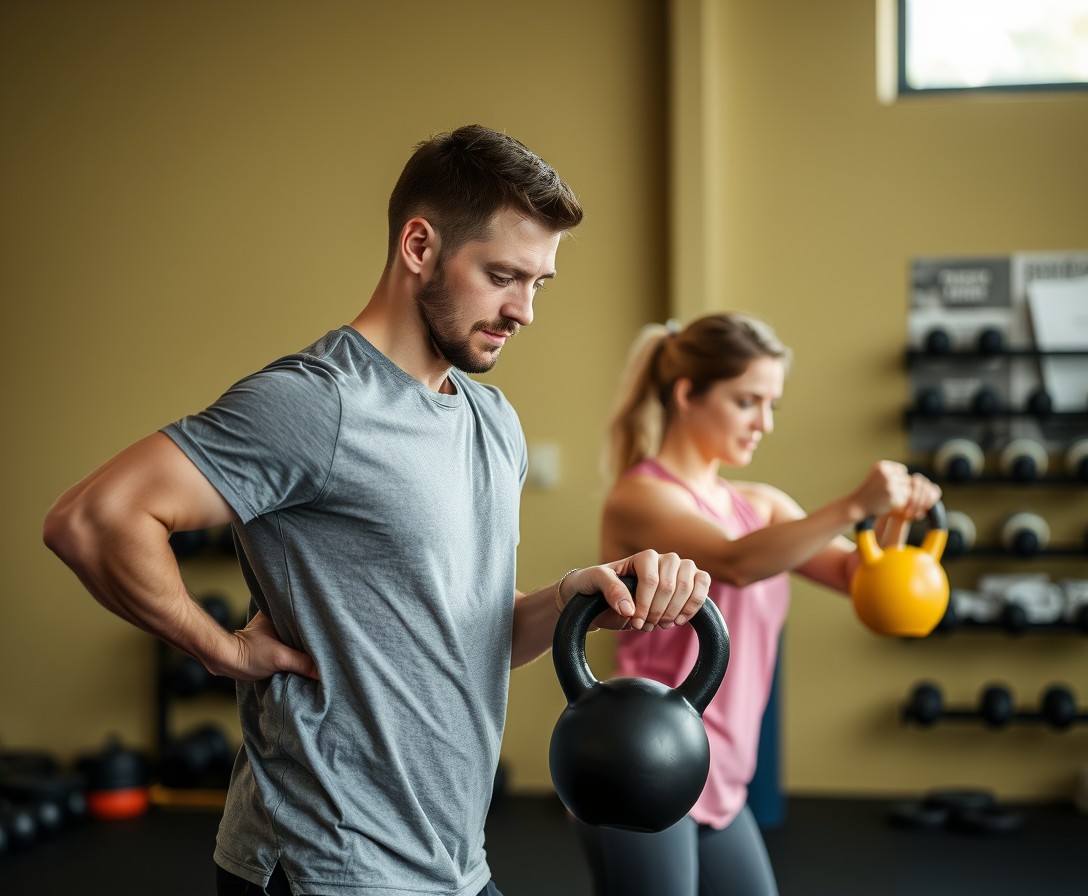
{"x": 632, "y": 753}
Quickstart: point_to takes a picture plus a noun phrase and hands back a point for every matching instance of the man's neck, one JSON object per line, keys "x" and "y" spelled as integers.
{"x": 399, "y": 334}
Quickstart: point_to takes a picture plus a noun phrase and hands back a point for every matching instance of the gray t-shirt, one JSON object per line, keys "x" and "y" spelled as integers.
{"x": 379, "y": 527}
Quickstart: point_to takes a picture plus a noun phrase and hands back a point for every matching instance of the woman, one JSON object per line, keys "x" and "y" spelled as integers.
{"x": 692, "y": 402}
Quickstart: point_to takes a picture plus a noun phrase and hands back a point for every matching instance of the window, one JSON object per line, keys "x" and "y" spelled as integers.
{"x": 960, "y": 45}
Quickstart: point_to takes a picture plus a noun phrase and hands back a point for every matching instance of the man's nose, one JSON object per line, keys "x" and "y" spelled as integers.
{"x": 519, "y": 307}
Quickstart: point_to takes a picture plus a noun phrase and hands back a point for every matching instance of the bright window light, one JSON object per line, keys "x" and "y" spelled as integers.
{"x": 992, "y": 44}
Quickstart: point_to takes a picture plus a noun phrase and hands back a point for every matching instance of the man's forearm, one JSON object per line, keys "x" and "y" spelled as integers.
{"x": 535, "y": 616}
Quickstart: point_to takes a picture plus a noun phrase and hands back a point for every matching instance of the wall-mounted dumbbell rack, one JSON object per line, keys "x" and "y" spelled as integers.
{"x": 201, "y": 756}
{"x": 983, "y": 439}
{"x": 998, "y": 416}
{"x": 997, "y": 707}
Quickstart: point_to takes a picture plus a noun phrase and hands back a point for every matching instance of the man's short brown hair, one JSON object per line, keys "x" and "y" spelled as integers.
{"x": 460, "y": 180}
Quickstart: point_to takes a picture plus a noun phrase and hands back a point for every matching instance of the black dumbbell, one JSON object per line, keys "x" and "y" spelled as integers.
{"x": 1025, "y": 533}
{"x": 187, "y": 677}
{"x": 1023, "y": 459}
{"x": 1014, "y": 619}
{"x": 944, "y": 808}
{"x": 958, "y": 459}
{"x": 987, "y": 402}
{"x": 928, "y": 401}
{"x": 937, "y": 342}
{"x": 991, "y": 341}
{"x": 959, "y": 799}
{"x": 992, "y": 821}
{"x": 961, "y": 533}
{"x": 914, "y": 815}
{"x": 19, "y": 825}
{"x": 972, "y": 811}
{"x": 56, "y": 800}
{"x": 48, "y": 814}
{"x": 995, "y": 706}
{"x": 1058, "y": 707}
{"x": 925, "y": 705}
{"x": 1040, "y": 403}
{"x": 1081, "y": 618}
{"x": 201, "y": 757}
{"x": 1076, "y": 460}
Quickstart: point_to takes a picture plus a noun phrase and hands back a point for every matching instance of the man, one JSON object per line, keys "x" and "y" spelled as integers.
{"x": 373, "y": 488}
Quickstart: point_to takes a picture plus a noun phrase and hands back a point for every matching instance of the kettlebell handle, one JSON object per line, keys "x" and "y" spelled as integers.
{"x": 572, "y": 668}
{"x": 936, "y": 517}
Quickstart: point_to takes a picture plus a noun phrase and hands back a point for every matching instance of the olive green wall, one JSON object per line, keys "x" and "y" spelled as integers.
{"x": 190, "y": 189}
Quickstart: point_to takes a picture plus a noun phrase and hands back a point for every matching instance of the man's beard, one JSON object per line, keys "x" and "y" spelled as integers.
{"x": 436, "y": 308}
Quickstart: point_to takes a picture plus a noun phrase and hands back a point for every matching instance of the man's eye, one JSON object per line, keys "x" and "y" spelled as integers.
{"x": 500, "y": 280}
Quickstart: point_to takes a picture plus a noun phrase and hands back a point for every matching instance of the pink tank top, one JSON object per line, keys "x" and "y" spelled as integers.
{"x": 754, "y": 616}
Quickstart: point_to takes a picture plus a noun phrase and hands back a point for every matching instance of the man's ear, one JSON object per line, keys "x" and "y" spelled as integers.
{"x": 418, "y": 246}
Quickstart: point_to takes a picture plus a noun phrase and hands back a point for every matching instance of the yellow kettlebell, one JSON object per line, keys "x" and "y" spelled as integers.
{"x": 902, "y": 590}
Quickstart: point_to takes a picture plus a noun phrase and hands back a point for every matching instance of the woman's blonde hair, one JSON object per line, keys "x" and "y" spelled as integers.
{"x": 711, "y": 348}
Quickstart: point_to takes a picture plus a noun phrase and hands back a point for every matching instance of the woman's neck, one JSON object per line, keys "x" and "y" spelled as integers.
{"x": 683, "y": 461}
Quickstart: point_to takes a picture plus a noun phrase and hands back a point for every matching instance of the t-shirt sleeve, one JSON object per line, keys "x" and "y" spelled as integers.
{"x": 270, "y": 440}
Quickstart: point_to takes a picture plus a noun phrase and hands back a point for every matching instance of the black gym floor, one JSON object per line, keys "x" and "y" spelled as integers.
{"x": 825, "y": 847}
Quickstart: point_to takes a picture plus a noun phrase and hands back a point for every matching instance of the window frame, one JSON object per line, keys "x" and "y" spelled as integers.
{"x": 904, "y": 88}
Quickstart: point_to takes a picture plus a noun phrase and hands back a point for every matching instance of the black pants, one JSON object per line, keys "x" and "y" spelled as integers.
{"x": 228, "y": 884}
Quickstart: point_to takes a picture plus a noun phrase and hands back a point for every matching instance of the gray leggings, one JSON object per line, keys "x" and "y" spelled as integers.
{"x": 688, "y": 859}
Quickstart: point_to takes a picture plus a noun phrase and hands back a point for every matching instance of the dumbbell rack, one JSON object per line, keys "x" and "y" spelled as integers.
{"x": 167, "y": 663}
{"x": 180, "y": 678}
{"x": 964, "y": 361}
{"x": 989, "y": 415}
{"x": 996, "y": 708}
{"x": 929, "y": 427}
{"x": 1073, "y": 623}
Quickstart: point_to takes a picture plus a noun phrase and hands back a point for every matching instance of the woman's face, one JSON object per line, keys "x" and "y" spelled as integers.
{"x": 732, "y": 417}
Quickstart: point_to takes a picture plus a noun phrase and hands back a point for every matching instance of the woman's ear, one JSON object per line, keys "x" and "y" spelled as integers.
{"x": 418, "y": 246}
{"x": 681, "y": 392}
